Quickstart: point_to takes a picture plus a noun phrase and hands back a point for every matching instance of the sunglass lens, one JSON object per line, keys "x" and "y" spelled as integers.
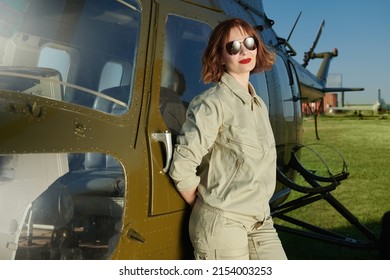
{"x": 250, "y": 43}
{"x": 233, "y": 47}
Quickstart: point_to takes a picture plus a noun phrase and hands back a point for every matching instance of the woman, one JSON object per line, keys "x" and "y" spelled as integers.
{"x": 224, "y": 164}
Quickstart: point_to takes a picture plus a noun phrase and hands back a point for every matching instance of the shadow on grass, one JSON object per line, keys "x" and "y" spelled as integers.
{"x": 305, "y": 248}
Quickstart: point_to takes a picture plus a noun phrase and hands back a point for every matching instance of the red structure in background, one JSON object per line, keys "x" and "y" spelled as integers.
{"x": 321, "y": 106}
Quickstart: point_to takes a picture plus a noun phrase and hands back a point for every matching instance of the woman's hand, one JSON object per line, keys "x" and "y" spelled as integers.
{"x": 190, "y": 196}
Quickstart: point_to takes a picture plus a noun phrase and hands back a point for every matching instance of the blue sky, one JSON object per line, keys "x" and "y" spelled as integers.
{"x": 358, "y": 29}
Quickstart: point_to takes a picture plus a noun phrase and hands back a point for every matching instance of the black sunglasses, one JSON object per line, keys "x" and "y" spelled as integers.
{"x": 234, "y": 47}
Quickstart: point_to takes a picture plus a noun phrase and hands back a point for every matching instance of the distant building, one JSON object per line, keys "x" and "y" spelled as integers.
{"x": 329, "y": 101}
{"x": 322, "y": 106}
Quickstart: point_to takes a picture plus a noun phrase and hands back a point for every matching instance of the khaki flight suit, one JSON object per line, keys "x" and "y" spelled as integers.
{"x": 227, "y": 150}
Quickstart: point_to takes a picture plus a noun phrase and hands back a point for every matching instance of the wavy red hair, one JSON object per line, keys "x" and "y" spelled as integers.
{"x": 212, "y": 68}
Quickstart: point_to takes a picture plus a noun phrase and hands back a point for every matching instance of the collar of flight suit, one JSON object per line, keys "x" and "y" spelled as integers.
{"x": 239, "y": 91}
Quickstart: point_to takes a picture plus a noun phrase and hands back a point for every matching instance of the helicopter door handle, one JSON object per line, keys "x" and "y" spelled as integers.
{"x": 166, "y": 138}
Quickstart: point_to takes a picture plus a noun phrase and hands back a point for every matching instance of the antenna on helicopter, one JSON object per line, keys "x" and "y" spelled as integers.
{"x": 295, "y": 24}
{"x": 290, "y": 50}
{"x": 309, "y": 54}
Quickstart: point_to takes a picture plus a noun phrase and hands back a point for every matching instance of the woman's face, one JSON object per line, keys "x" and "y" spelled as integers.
{"x": 244, "y": 60}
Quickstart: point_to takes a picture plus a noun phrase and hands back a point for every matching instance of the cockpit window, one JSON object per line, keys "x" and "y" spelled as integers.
{"x": 184, "y": 45}
{"x": 62, "y": 50}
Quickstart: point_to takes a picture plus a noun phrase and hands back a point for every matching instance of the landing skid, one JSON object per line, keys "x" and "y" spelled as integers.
{"x": 319, "y": 189}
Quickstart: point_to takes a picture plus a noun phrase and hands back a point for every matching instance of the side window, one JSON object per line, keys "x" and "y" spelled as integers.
{"x": 82, "y": 52}
{"x": 284, "y": 89}
{"x": 259, "y": 82}
{"x": 296, "y": 91}
{"x": 185, "y": 42}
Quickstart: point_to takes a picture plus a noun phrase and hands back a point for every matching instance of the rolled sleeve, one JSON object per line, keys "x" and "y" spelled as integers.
{"x": 183, "y": 170}
{"x": 198, "y": 135}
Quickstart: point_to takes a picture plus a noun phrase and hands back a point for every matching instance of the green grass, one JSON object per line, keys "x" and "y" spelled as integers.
{"x": 365, "y": 146}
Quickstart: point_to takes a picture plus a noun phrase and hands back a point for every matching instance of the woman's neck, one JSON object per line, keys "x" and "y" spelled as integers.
{"x": 242, "y": 79}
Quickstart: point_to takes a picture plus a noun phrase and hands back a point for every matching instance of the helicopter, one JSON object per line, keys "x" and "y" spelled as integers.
{"x": 92, "y": 96}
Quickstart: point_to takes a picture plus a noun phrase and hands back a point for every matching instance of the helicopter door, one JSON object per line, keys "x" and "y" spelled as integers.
{"x": 176, "y": 80}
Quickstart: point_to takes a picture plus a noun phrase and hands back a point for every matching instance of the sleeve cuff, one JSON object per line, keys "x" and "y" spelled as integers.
{"x": 189, "y": 184}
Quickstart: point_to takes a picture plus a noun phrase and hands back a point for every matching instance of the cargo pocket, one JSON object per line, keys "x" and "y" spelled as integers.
{"x": 267, "y": 246}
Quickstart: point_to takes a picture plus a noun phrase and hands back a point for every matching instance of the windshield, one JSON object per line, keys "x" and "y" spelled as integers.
{"x": 78, "y": 51}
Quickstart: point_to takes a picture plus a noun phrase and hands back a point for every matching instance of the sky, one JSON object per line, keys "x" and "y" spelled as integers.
{"x": 358, "y": 29}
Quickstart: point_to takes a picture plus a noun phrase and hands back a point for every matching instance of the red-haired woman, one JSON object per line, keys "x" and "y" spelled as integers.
{"x": 224, "y": 164}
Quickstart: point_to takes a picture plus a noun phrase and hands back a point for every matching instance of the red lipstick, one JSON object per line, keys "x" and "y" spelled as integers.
{"x": 245, "y": 61}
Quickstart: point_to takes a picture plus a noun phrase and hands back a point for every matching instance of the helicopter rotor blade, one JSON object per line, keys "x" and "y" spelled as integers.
{"x": 311, "y": 50}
